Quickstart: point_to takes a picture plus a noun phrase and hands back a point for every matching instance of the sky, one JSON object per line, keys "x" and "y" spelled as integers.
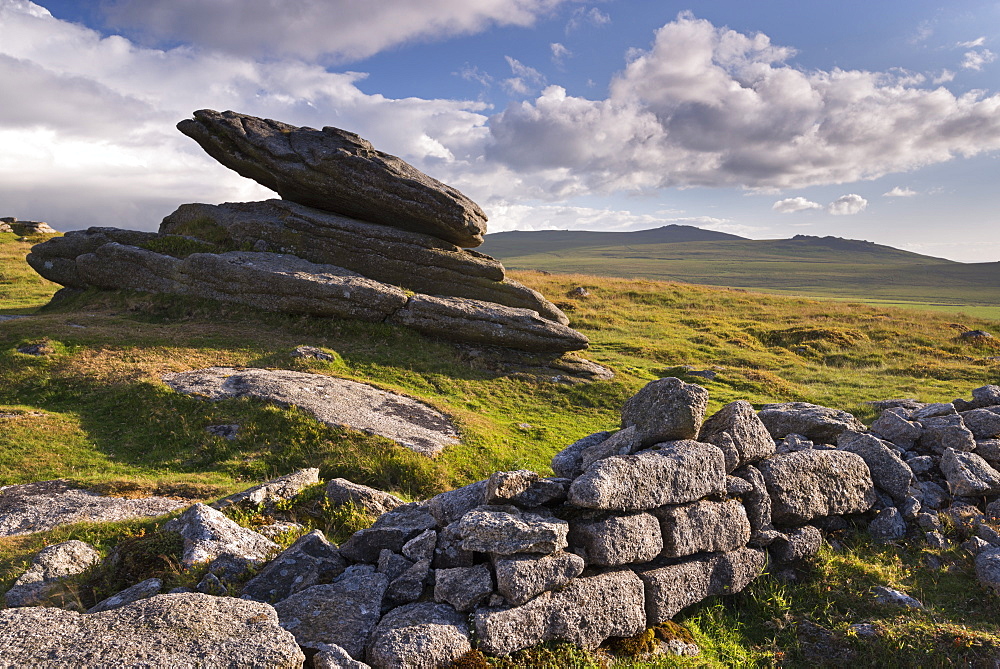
{"x": 866, "y": 120}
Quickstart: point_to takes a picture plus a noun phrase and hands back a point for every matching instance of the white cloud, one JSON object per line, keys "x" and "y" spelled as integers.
{"x": 976, "y": 60}
{"x": 900, "y": 192}
{"x": 559, "y": 53}
{"x": 709, "y": 106}
{"x": 339, "y": 30}
{"x": 583, "y": 16}
{"x": 794, "y": 204}
{"x": 87, "y": 126}
{"x": 847, "y": 205}
{"x": 943, "y": 78}
{"x": 525, "y": 80}
{"x": 979, "y": 41}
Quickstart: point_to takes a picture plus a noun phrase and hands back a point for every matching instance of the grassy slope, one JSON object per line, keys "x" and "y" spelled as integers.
{"x": 816, "y": 267}
{"x": 96, "y": 411}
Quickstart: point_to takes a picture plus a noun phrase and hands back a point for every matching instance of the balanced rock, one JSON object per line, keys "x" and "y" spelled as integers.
{"x": 338, "y": 171}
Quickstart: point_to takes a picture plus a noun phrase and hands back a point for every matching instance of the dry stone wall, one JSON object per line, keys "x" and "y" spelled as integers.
{"x": 637, "y": 525}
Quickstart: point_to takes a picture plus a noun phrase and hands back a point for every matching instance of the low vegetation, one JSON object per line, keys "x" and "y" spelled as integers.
{"x": 93, "y": 409}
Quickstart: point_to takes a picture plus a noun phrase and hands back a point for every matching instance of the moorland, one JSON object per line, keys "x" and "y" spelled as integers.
{"x": 94, "y": 410}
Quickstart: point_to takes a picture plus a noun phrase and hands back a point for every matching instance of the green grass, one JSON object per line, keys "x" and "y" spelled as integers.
{"x": 21, "y": 289}
{"x": 822, "y": 268}
{"x": 95, "y": 410}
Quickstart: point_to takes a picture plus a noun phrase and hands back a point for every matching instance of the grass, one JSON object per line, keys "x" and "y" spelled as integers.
{"x": 95, "y": 410}
{"x": 821, "y": 268}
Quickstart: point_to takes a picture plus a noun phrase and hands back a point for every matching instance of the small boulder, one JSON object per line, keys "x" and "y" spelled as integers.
{"x": 820, "y": 424}
{"x": 344, "y": 612}
{"x": 48, "y": 569}
{"x": 988, "y": 569}
{"x": 666, "y": 410}
{"x": 376, "y": 502}
{"x": 675, "y": 473}
{"x": 419, "y": 636}
{"x": 208, "y": 534}
{"x": 888, "y": 470}
{"x": 391, "y": 531}
{"x": 617, "y": 540}
{"x": 891, "y": 597}
{"x": 887, "y": 526}
{"x": 739, "y": 433}
{"x": 332, "y": 656}
{"x": 464, "y": 588}
{"x": 796, "y": 545}
{"x": 672, "y": 587}
{"x": 894, "y": 426}
{"x": 450, "y": 506}
{"x": 567, "y": 462}
{"x": 522, "y": 577}
{"x": 811, "y": 484}
{"x": 703, "y": 527}
{"x": 943, "y": 432}
{"x": 585, "y": 613}
{"x": 983, "y": 423}
{"x": 266, "y": 494}
{"x": 968, "y": 474}
{"x": 309, "y": 561}
{"x": 507, "y": 530}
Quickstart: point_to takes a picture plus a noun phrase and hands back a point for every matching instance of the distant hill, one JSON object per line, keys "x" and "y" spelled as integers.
{"x": 805, "y": 265}
{"x": 504, "y": 244}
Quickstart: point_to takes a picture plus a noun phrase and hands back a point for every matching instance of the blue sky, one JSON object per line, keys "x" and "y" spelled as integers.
{"x": 868, "y": 120}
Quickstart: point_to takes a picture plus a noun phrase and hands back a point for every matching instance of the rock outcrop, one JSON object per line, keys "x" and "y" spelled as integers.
{"x": 338, "y": 171}
{"x": 360, "y": 235}
{"x": 11, "y": 224}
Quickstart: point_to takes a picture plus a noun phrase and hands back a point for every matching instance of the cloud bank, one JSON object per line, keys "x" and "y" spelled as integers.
{"x": 708, "y": 106}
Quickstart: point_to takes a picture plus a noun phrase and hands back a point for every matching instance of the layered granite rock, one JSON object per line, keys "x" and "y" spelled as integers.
{"x": 337, "y": 171}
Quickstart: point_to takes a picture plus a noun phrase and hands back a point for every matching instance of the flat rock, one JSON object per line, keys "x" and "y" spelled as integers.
{"x": 163, "y": 632}
{"x": 338, "y": 171}
{"x": 739, "y": 433}
{"x": 666, "y": 410}
{"x": 703, "y": 527}
{"x": 508, "y": 530}
{"x": 47, "y": 570}
{"x": 343, "y": 613}
{"x": 522, "y": 577}
{"x": 331, "y": 400}
{"x": 481, "y": 322}
{"x": 672, "y": 587}
{"x": 209, "y": 534}
{"x": 820, "y": 424}
{"x": 410, "y": 260}
{"x": 283, "y": 488}
{"x": 585, "y": 613}
{"x": 38, "y": 507}
{"x": 809, "y": 484}
{"x": 617, "y": 540}
{"x": 675, "y": 473}
{"x": 419, "y": 636}
{"x": 376, "y": 502}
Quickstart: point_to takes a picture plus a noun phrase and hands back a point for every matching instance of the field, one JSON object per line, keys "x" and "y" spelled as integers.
{"x": 96, "y": 411}
{"x": 828, "y": 268}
